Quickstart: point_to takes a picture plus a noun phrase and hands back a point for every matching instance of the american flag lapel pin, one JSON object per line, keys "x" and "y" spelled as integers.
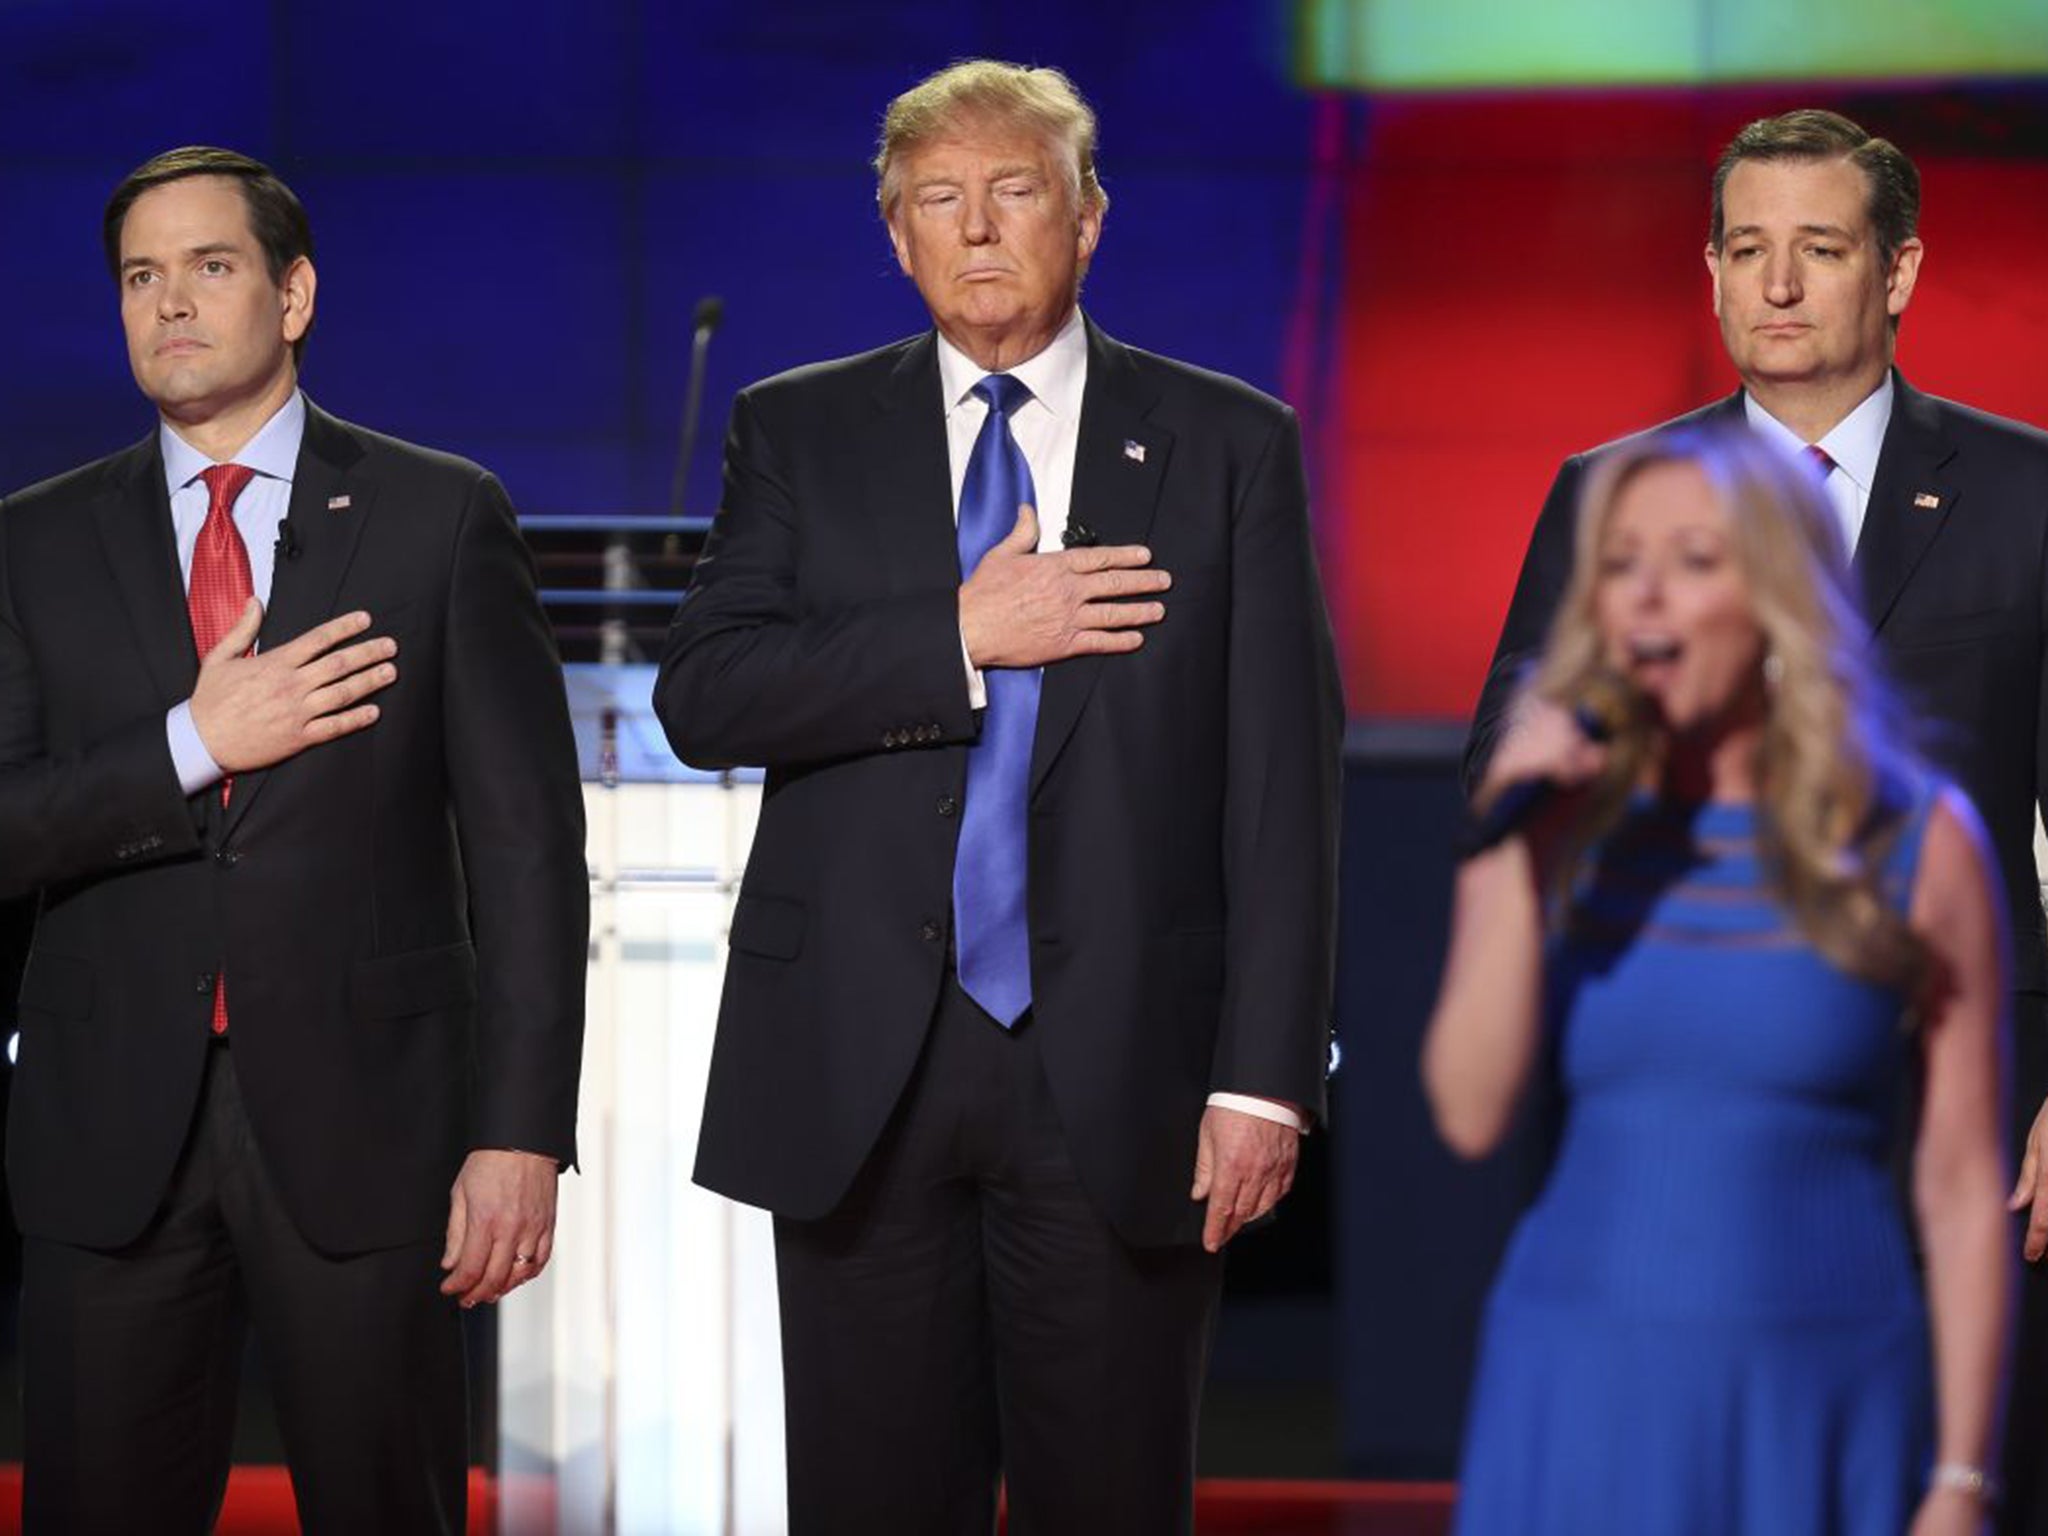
{"x": 1134, "y": 450}
{"x": 1926, "y": 501}
{"x": 337, "y": 503}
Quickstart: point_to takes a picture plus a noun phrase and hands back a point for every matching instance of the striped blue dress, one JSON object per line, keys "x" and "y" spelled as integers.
{"x": 1710, "y": 1321}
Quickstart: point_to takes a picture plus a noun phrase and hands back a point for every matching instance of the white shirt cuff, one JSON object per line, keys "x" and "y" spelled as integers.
{"x": 1265, "y": 1109}
{"x": 195, "y": 765}
{"x": 977, "y": 690}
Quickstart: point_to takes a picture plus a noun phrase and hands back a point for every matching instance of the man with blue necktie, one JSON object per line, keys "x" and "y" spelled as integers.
{"x": 1030, "y": 979}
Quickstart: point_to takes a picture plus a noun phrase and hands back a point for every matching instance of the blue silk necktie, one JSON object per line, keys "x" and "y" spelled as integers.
{"x": 992, "y": 935}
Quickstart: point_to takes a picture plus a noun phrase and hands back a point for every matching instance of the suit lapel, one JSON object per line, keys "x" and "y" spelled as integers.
{"x": 134, "y": 519}
{"x": 1912, "y": 496}
{"x": 1120, "y": 464}
{"x": 909, "y": 471}
{"x": 329, "y": 506}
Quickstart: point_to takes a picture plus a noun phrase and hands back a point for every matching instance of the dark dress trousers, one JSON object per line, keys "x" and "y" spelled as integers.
{"x": 1952, "y": 565}
{"x": 1181, "y": 819}
{"x": 401, "y": 916}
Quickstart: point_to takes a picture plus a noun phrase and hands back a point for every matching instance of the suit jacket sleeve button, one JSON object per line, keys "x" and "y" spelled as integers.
{"x": 888, "y": 738}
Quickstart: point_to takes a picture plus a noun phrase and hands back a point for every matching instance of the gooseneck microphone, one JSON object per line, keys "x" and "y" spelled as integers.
{"x": 704, "y": 320}
{"x": 1604, "y": 707}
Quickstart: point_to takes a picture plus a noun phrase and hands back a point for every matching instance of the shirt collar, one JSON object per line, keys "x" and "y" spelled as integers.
{"x": 1056, "y": 375}
{"x": 272, "y": 452}
{"x": 1855, "y": 441}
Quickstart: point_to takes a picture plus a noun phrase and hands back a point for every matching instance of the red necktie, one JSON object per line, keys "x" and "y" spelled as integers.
{"x": 220, "y": 589}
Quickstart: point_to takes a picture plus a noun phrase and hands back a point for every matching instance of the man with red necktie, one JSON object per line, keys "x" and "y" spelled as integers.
{"x": 285, "y": 762}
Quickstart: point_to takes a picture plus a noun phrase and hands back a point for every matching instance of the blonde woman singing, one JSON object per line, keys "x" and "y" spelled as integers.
{"x": 1736, "y": 928}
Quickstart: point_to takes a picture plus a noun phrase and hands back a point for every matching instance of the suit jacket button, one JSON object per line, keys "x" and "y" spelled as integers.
{"x": 227, "y": 858}
{"x": 931, "y": 933}
{"x": 948, "y": 805}
{"x": 204, "y": 986}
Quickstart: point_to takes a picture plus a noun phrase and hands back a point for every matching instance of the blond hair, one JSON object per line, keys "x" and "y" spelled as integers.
{"x": 1041, "y": 100}
{"x": 1835, "y": 776}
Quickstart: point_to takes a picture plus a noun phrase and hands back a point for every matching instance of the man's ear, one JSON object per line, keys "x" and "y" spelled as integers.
{"x": 1905, "y": 272}
{"x": 901, "y": 245}
{"x": 1090, "y": 233}
{"x": 296, "y": 294}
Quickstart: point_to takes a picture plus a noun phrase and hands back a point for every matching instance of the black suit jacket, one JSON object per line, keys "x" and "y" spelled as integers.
{"x": 402, "y": 915}
{"x": 1956, "y": 592}
{"x": 1184, "y": 797}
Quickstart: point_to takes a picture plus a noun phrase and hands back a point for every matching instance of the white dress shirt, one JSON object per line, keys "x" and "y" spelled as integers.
{"x": 273, "y": 453}
{"x": 1047, "y": 428}
{"x": 1854, "y": 444}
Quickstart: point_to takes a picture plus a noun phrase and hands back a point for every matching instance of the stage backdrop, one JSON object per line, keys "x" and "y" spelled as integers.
{"x": 1461, "y": 239}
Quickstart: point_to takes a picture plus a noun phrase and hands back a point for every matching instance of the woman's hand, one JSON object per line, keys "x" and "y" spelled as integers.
{"x": 1543, "y": 741}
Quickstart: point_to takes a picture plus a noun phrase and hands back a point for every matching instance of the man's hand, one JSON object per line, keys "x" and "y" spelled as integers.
{"x": 2031, "y": 1189}
{"x": 1243, "y": 1165}
{"x": 253, "y": 711}
{"x": 1024, "y": 609}
{"x": 501, "y": 1224}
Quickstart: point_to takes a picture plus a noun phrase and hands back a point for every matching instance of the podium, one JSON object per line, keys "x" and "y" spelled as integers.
{"x": 640, "y": 1385}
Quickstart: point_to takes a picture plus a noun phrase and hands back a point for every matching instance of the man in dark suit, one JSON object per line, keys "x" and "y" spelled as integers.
{"x": 1814, "y": 256}
{"x": 301, "y": 1021}
{"x": 1031, "y": 971}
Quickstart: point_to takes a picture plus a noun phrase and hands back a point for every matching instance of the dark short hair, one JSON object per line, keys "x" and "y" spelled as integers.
{"x": 1813, "y": 134}
{"x": 276, "y": 216}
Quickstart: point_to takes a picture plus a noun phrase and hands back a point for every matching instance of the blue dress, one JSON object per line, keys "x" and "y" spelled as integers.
{"x": 1710, "y": 1322}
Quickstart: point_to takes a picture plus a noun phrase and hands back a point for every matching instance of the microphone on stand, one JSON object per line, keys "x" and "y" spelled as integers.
{"x": 1606, "y": 707}
{"x": 704, "y": 320}
{"x": 614, "y": 643}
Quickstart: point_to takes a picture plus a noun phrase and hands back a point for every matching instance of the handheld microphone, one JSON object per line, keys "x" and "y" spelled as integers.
{"x": 287, "y": 545}
{"x": 1605, "y": 707}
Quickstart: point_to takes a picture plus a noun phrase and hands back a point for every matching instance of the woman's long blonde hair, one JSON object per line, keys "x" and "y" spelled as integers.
{"x": 1834, "y": 773}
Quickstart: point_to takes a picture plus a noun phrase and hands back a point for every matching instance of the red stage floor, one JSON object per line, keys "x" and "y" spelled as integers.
{"x": 260, "y": 1504}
